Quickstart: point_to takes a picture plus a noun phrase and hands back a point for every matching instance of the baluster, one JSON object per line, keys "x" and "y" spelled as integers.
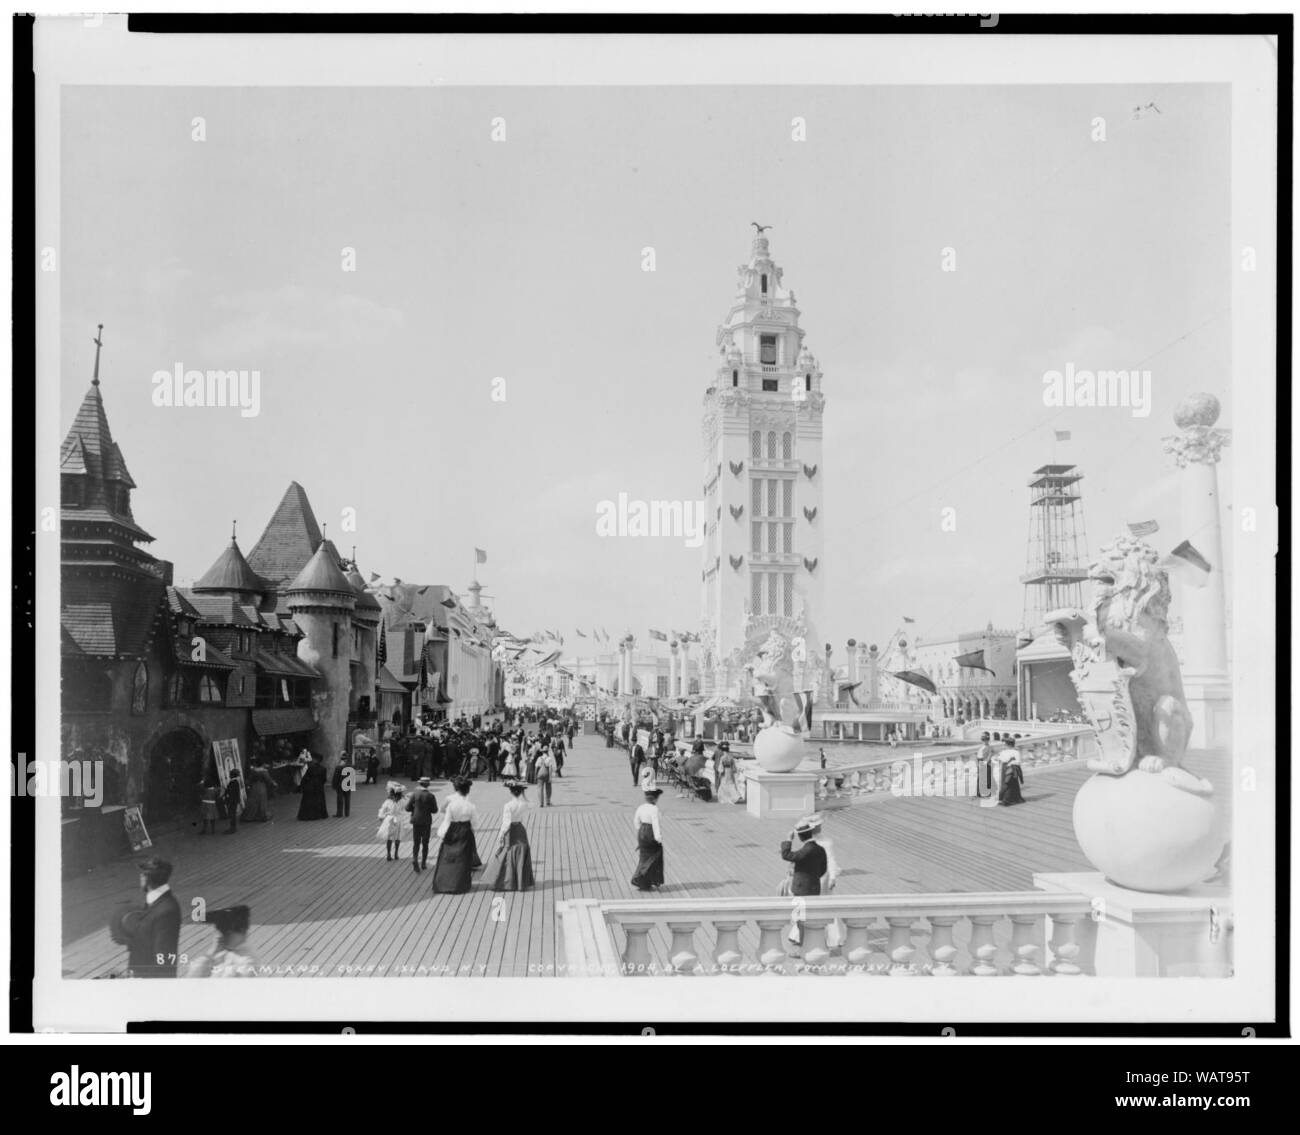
{"x": 726, "y": 954}
{"x": 857, "y": 946}
{"x": 1023, "y": 947}
{"x": 942, "y": 949}
{"x": 815, "y": 950}
{"x": 838, "y": 963}
{"x": 1064, "y": 945}
{"x": 900, "y": 948}
{"x": 681, "y": 955}
{"x": 636, "y": 953}
{"x": 983, "y": 950}
{"x": 771, "y": 950}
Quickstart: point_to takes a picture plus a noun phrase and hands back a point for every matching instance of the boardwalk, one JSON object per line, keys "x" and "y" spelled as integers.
{"x": 325, "y": 902}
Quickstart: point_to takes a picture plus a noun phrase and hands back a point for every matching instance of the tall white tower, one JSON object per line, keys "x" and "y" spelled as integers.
{"x": 763, "y": 566}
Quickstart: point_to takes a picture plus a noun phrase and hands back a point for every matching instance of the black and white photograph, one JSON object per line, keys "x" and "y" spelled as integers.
{"x": 666, "y": 527}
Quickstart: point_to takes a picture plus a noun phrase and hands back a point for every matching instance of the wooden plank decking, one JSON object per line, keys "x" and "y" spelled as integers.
{"x": 325, "y": 902}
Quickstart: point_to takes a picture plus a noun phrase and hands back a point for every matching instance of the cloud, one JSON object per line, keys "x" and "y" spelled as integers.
{"x": 297, "y": 318}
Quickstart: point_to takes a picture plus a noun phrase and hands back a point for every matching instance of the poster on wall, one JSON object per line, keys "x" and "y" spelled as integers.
{"x": 136, "y": 832}
{"x": 226, "y": 755}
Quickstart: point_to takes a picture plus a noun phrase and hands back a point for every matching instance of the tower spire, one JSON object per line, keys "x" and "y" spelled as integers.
{"x": 233, "y": 525}
{"x": 99, "y": 342}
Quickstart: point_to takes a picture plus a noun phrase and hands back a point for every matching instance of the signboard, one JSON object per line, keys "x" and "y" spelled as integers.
{"x": 136, "y": 832}
{"x": 226, "y": 755}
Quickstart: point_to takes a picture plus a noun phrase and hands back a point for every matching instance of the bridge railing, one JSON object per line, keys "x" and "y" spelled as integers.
{"x": 1023, "y": 934}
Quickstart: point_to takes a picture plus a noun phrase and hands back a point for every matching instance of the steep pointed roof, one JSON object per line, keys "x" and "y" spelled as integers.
{"x": 230, "y": 572}
{"x": 289, "y": 541}
{"x": 89, "y": 446}
{"x": 321, "y": 573}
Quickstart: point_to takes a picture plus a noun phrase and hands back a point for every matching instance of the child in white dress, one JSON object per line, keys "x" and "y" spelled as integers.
{"x": 392, "y": 822}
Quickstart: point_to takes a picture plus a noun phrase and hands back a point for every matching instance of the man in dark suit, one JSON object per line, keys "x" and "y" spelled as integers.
{"x": 152, "y": 933}
{"x": 636, "y": 754}
{"x": 812, "y": 860}
{"x": 422, "y": 807}
{"x": 809, "y": 858}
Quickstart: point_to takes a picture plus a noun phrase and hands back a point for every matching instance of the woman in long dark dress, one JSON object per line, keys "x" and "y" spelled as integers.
{"x": 1013, "y": 776}
{"x": 649, "y": 843}
{"x": 514, "y": 858}
{"x": 260, "y": 784}
{"x": 313, "y": 806}
{"x": 457, "y": 853}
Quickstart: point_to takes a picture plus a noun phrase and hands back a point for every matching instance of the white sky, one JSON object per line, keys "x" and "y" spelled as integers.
{"x": 522, "y": 259}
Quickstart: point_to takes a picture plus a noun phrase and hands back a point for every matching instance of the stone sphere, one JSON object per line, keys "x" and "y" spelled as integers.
{"x": 852, "y": 643}
{"x": 1197, "y": 410}
{"x": 1143, "y": 833}
{"x": 778, "y": 748}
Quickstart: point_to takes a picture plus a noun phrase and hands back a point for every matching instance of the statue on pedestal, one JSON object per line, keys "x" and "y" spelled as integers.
{"x": 1125, "y": 670}
{"x": 1144, "y": 820}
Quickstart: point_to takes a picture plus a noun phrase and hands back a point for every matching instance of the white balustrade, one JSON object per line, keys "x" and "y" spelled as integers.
{"x": 876, "y": 935}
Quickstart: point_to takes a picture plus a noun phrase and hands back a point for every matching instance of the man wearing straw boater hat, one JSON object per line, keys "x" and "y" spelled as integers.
{"x": 423, "y": 806}
{"x": 810, "y": 862}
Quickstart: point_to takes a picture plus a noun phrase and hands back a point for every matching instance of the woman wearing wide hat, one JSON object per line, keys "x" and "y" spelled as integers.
{"x": 514, "y": 858}
{"x": 649, "y": 842}
{"x": 1013, "y": 776}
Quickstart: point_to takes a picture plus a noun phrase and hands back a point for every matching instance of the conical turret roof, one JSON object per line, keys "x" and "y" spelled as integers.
{"x": 365, "y": 601}
{"x": 230, "y": 572}
{"x": 321, "y": 573}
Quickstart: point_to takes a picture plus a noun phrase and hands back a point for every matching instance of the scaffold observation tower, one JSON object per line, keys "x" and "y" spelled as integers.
{"x": 1057, "y": 551}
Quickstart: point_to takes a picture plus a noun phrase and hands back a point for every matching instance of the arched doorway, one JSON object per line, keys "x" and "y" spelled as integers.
{"x": 177, "y": 763}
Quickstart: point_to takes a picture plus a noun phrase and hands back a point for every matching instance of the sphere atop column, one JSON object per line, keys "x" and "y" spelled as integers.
{"x": 1197, "y": 410}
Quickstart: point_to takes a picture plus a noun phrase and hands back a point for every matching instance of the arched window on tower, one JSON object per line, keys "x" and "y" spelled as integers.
{"x": 807, "y": 382}
{"x": 756, "y": 445}
{"x": 763, "y": 282}
{"x": 787, "y": 446}
{"x": 771, "y": 445}
{"x": 735, "y": 378}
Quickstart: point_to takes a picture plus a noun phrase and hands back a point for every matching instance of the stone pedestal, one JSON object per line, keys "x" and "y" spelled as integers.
{"x": 780, "y": 795}
{"x": 1209, "y": 700}
{"x": 1135, "y": 934}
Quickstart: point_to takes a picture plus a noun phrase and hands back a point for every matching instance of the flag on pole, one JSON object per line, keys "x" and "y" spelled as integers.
{"x": 1192, "y": 567}
{"x": 480, "y": 556}
{"x": 974, "y": 660}
{"x": 381, "y": 648}
{"x": 579, "y": 633}
{"x": 916, "y": 679}
{"x": 450, "y": 604}
{"x": 605, "y": 633}
{"x": 424, "y": 673}
{"x": 1062, "y": 435}
{"x": 804, "y": 700}
{"x": 907, "y": 620}
{"x": 1144, "y": 528}
{"x": 658, "y": 635}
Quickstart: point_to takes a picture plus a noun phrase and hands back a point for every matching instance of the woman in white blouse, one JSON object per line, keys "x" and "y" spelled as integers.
{"x": 649, "y": 842}
{"x": 457, "y": 854}
{"x": 514, "y": 858}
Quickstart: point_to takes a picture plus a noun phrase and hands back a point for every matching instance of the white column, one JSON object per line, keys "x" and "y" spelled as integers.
{"x": 1206, "y": 684}
{"x": 684, "y": 676}
{"x": 672, "y": 669}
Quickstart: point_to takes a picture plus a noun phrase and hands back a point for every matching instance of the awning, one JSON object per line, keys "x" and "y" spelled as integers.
{"x": 274, "y": 722}
{"x": 284, "y": 665}
{"x": 213, "y": 659}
